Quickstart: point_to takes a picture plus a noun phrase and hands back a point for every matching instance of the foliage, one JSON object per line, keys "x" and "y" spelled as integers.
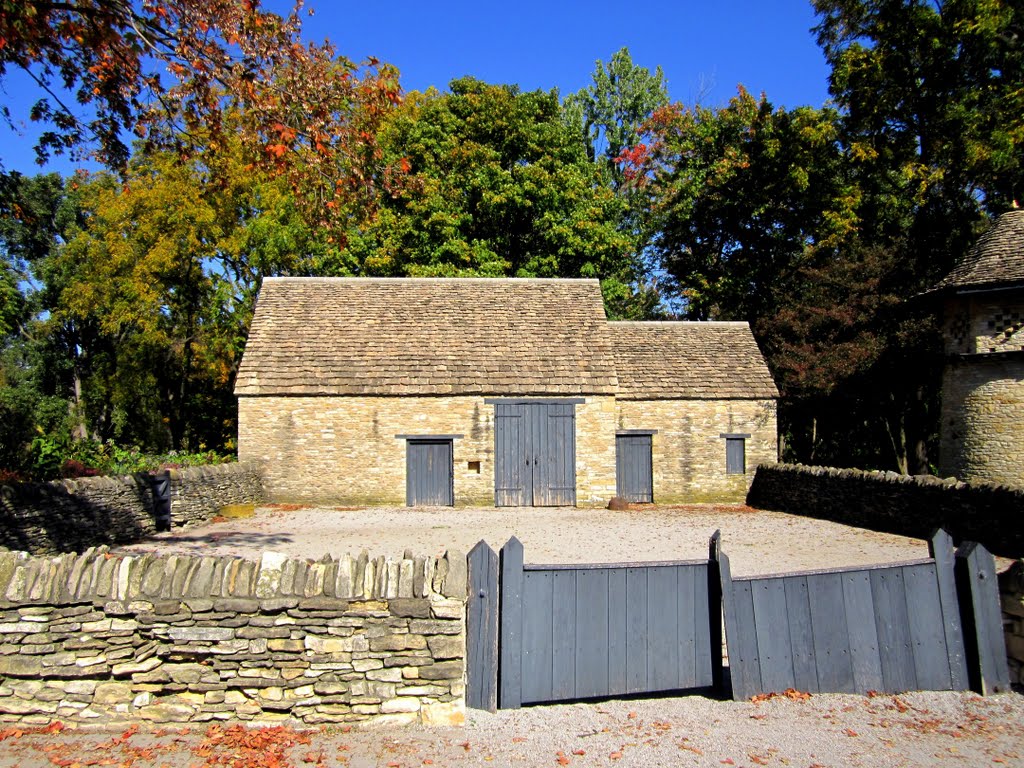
{"x": 498, "y": 185}
{"x": 302, "y": 110}
{"x": 613, "y": 109}
{"x": 740, "y": 197}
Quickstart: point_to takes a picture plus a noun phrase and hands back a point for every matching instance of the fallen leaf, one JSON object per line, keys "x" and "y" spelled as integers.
{"x": 851, "y": 732}
{"x": 562, "y": 759}
{"x": 579, "y": 752}
{"x": 631, "y": 715}
{"x": 761, "y": 716}
{"x": 615, "y": 756}
{"x": 727, "y": 761}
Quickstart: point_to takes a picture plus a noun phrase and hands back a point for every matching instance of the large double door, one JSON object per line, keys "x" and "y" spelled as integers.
{"x": 534, "y": 454}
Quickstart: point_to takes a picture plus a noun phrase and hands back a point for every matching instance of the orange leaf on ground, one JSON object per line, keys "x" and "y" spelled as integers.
{"x": 851, "y": 732}
{"x": 578, "y": 752}
{"x": 615, "y": 755}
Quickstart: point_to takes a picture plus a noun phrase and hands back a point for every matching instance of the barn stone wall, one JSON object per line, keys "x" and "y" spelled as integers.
{"x": 96, "y": 638}
{"x": 345, "y": 449}
{"x": 982, "y": 418}
{"x": 71, "y": 515}
{"x": 688, "y": 452}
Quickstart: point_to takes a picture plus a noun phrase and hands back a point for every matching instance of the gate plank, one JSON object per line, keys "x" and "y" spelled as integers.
{"x": 592, "y": 633}
{"x": 482, "y": 629}
{"x": 798, "y": 606}
{"x": 941, "y": 549}
{"x": 511, "y": 649}
{"x": 537, "y": 633}
{"x": 563, "y": 635}
{"x": 983, "y": 626}
{"x": 689, "y": 627}
{"x": 709, "y": 603}
{"x": 746, "y": 680}
{"x": 774, "y": 650}
{"x": 636, "y": 630}
{"x": 860, "y": 621}
{"x": 617, "y": 631}
{"x": 662, "y": 629}
{"x": 893, "y": 631}
{"x": 831, "y": 638}
{"x": 928, "y": 641}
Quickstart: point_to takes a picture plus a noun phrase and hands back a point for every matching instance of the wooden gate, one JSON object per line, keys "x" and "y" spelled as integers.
{"x": 534, "y": 454}
{"x": 428, "y": 473}
{"x": 633, "y": 471}
{"x": 888, "y": 628}
{"x": 583, "y": 631}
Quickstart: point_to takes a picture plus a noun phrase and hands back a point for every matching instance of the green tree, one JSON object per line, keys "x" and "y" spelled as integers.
{"x": 612, "y": 110}
{"x": 740, "y": 197}
{"x": 498, "y": 185}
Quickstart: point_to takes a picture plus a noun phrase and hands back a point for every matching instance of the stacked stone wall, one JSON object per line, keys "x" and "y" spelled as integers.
{"x": 915, "y": 506}
{"x": 72, "y": 515}
{"x": 96, "y": 638}
{"x": 1011, "y": 587}
{"x": 688, "y": 452}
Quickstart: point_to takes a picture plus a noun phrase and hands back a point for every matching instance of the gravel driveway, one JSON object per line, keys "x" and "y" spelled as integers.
{"x": 837, "y": 731}
{"x": 756, "y": 541}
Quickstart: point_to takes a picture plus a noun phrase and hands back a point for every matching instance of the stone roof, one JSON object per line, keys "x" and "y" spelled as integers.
{"x": 702, "y": 360}
{"x": 425, "y": 336}
{"x": 997, "y": 258}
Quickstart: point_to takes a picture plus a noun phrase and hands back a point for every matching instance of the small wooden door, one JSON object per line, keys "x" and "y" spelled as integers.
{"x": 428, "y": 473}
{"x": 535, "y": 454}
{"x": 633, "y": 472}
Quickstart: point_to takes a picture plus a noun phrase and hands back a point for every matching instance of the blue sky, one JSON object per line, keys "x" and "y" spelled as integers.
{"x": 705, "y": 48}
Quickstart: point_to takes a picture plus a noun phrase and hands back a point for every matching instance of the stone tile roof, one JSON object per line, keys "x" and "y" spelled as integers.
{"x": 996, "y": 259}
{"x": 703, "y": 360}
{"x": 423, "y": 336}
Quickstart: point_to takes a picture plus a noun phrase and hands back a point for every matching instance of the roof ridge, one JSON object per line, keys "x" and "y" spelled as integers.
{"x": 540, "y": 280}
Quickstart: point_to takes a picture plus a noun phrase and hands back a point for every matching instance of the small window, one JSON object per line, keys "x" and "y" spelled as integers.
{"x": 735, "y": 456}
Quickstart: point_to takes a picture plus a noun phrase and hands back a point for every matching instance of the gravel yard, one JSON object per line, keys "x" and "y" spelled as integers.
{"x": 833, "y": 731}
{"x": 756, "y": 541}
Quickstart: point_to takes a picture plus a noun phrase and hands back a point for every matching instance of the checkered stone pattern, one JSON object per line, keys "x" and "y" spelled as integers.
{"x": 1004, "y": 330}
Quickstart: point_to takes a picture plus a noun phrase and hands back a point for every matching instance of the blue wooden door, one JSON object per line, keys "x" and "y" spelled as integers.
{"x": 633, "y": 476}
{"x": 428, "y": 477}
{"x": 534, "y": 454}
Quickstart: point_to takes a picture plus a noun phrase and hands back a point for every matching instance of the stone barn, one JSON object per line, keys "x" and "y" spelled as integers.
{"x": 982, "y": 430}
{"x": 506, "y": 392}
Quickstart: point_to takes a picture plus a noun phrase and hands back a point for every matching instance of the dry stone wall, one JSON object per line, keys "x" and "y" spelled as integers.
{"x": 990, "y": 514}
{"x": 97, "y": 638}
{"x": 72, "y": 515}
{"x": 1011, "y": 588}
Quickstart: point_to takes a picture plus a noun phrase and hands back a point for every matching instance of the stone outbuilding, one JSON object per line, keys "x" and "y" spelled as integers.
{"x": 982, "y": 430}
{"x": 507, "y": 392}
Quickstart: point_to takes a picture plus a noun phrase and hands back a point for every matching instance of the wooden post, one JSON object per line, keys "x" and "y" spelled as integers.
{"x": 510, "y": 679}
{"x": 715, "y": 609}
{"x": 982, "y": 619}
{"x": 482, "y": 629}
{"x": 940, "y": 548}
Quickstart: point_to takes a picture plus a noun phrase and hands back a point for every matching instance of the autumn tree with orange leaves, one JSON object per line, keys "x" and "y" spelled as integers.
{"x": 164, "y": 71}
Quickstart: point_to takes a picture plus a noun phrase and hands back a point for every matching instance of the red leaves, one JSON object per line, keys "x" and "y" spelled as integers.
{"x": 255, "y": 748}
{"x": 790, "y": 693}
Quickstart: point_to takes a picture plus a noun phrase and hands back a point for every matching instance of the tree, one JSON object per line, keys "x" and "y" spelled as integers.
{"x": 933, "y": 116}
{"x": 613, "y": 109}
{"x": 302, "y": 110}
{"x": 740, "y": 197}
{"x": 498, "y": 185}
